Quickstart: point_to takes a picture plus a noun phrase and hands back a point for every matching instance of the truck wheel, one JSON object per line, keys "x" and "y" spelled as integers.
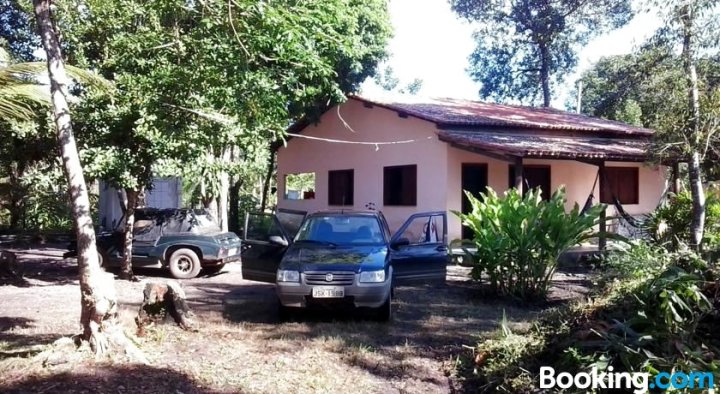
{"x": 384, "y": 312}
{"x": 184, "y": 264}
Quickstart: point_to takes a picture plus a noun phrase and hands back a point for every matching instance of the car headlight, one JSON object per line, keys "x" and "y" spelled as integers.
{"x": 288, "y": 276}
{"x": 372, "y": 276}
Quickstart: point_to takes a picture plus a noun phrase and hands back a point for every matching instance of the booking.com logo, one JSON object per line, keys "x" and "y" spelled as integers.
{"x": 640, "y": 381}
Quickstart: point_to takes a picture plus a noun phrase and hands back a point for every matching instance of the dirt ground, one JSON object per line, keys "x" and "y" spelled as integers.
{"x": 241, "y": 346}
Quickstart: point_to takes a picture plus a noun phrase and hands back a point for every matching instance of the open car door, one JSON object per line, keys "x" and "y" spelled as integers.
{"x": 266, "y": 237}
{"x": 418, "y": 251}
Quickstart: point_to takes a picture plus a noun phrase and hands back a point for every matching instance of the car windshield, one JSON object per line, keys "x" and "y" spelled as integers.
{"x": 337, "y": 229}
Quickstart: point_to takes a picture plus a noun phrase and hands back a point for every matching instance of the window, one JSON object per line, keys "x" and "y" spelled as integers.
{"x": 300, "y": 186}
{"x": 620, "y": 182}
{"x": 425, "y": 229}
{"x": 533, "y": 176}
{"x": 400, "y": 185}
{"x": 340, "y": 187}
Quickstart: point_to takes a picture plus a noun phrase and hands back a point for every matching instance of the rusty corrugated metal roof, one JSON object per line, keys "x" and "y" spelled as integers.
{"x": 549, "y": 146}
{"x": 447, "y": 112}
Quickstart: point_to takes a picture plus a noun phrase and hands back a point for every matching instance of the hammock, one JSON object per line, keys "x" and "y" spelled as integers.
{"x": 591, "y": 197}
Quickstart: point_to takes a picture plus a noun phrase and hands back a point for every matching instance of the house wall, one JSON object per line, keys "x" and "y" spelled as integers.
{"x": 578, "y": 179}
{"x": 439, "y": 166}
{"x": 375, "y": 124}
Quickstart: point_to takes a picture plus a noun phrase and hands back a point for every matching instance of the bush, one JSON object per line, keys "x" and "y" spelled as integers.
{"x": 654, "y": 314}
{"x": 670, "y": 223}
{"x": 519, "y": 238}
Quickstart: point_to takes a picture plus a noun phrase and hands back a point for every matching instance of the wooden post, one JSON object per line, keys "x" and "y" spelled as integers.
{"x": 676, "y": 177}
{"x": 519, "y": 175}
{"x": 602, "y": 240}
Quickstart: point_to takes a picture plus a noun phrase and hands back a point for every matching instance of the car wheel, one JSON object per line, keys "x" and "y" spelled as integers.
{"x": 102, "y": 259}
{"x": 384, "y": 312}
{"x": 184, "y": 264}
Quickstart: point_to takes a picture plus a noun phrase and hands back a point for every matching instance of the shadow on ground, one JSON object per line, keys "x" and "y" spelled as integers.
{"x": 98, "y": 378}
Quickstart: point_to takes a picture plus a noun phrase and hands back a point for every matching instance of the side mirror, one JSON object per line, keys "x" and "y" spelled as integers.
{"x": 399, "y": 243}
{"x": 278, "y": 240}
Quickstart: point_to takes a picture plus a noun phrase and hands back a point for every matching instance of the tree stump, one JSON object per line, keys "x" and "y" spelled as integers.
{"x": 162, "y": 303}
{"x": 10, "y": 265}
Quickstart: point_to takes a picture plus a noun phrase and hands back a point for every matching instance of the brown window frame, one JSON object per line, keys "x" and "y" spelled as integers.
{"x": 400, "y": 185}
{"x": 626, "y": 186}
{"x": 335, "y": 180}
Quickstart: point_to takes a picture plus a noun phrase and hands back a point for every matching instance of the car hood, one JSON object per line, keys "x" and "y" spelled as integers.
{"x": 341, "y": 258}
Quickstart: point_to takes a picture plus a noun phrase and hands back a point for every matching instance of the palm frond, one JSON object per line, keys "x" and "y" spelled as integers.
{"x": 14, "y": 109}
{"x": 37, "y": 71}
{"x": 25, "y": 83}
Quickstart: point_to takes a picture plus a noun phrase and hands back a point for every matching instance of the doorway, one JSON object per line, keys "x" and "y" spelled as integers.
{"x": 534, "y": 175}
{"x": 474, "y": 179}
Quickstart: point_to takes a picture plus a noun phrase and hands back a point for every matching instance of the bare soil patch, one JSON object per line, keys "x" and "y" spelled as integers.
{"x": 241, "y": 346}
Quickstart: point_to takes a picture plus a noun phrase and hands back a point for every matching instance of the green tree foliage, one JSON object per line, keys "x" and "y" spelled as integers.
{"x": 520, "y": 238}
{"x": 387, "y": 79}
{"x": 17, "y": 31}
{"x": 525, "y": 46}
{"x": 182, "y": 69}
{"x": 670, "y": 222}
{"x": 177, "y": 66}
{"x": 643, "y": 86}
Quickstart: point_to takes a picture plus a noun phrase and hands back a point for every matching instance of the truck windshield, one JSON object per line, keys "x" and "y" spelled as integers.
{"x": 337, "y": 229}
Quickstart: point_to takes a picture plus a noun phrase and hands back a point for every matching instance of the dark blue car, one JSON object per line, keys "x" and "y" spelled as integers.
{"x": 343, "y": 257}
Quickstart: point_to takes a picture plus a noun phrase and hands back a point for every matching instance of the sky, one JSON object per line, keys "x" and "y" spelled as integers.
{"x": 433, "y": 44}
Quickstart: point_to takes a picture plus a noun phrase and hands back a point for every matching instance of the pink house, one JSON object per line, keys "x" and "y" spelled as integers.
{"x": 410, "y": 155}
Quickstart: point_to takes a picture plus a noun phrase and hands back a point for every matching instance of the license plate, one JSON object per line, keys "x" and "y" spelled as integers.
{"x": 232, "y": 252}
{"x": 328, "y": 292}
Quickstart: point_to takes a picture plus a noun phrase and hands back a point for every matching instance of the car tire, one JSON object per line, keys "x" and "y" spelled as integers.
{"x": 102, "y": 259}
{"x": 184, "y": 264}
{"x": 384, "y": 312}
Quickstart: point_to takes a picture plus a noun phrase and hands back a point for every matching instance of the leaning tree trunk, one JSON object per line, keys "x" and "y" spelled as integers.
{"x": 126, "y": 269}
{"x": 98, "y": 302}
{"x": 697, "y": 225}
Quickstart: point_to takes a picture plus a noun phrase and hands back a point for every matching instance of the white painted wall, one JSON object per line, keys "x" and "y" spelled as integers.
{"x": 368, "y": 125}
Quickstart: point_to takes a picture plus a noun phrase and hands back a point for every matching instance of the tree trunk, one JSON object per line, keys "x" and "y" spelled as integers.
{"x": 266, "y": 181}
{"x": 98, "y": 301}
{"x": 126, "y": 269}
{"x": 697, "y": 225}
{"x": 224, "y": 188}
{"x": 545, "y": 74}
{"x": 234, "y": 214}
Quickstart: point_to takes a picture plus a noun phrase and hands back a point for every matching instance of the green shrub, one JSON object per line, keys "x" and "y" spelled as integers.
{"x": 670, "y": 223}
{"x": 655, "y": 313}
{"x": 519, "y": 238}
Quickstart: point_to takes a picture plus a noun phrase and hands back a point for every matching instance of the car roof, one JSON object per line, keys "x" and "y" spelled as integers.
{"x": 345, "y": 212}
